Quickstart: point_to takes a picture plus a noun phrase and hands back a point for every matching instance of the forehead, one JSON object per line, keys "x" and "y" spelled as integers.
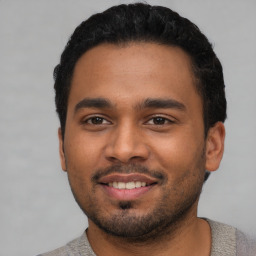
{"x": 132, "y": 72}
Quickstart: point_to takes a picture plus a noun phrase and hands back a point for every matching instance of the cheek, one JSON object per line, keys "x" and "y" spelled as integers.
{"x": 178, "y": 152}
{"x": 82, "y": 150}
{"x": 81, "y": 158}
{"x": 80, "y": 163}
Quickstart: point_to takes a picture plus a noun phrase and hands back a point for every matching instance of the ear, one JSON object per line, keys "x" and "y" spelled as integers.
{"x": 61, "y": 151}
{"x": 214, "y": 146}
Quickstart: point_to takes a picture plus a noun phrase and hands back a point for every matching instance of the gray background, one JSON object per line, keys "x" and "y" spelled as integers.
{"x": 38, "y": 212}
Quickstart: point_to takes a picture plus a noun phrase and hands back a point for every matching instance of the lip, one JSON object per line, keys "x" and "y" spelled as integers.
{"x": 126, "y": 194}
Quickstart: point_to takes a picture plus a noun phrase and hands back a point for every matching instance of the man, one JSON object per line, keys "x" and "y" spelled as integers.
{"x": 141, "y": 101}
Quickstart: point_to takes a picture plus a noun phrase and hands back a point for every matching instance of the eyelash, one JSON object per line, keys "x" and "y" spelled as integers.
{"x": 90, "y": 122}
{"x": 163, "y": 119}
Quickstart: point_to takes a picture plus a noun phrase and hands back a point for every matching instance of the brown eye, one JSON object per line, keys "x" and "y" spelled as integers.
{"x": 159, "y": 120}
{"x": 96, "y": 120}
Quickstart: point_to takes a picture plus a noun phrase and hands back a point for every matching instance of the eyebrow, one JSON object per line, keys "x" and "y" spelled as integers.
{"x": 161, "y": 103}
{"x": 93, "y": 103}
{"x": 148, "y": 103}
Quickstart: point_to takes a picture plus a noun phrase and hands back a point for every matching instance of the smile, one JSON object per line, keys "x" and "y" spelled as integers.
{"x": 128, "y": 185}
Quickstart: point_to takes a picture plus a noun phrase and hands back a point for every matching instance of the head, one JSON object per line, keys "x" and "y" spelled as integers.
{"x": 140, "y": 96}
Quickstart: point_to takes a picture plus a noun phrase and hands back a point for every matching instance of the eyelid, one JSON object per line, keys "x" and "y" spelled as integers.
{"x": 169, "y": 119}
{"x": 90, "y": 117}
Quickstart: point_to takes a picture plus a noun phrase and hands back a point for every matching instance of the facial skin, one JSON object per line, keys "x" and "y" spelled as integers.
{"x": 134, "y": 115}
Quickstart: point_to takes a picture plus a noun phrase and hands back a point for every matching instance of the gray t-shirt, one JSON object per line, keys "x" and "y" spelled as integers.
{"x": 226, "y": 241}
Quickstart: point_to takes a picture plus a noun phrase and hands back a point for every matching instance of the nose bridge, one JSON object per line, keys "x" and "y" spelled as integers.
{"x": 126, "y": 143}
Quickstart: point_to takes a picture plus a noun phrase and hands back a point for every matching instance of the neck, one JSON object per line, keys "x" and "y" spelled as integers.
{"x": 187, "y": 236}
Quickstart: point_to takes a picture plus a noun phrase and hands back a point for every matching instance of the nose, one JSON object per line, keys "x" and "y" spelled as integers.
{"x": 126, "y": 144}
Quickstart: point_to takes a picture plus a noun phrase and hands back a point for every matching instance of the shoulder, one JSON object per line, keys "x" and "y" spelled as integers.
{"x": 78, "y": 246}
{"x": 230, "y": 241}
{"x": 62, "y": 251}
{"x": 246, "y": 245}
{"x": 223, "y": 239}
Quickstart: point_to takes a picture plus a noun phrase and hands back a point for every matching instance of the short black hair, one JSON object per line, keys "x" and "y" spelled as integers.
{"x": 141, "y": 22}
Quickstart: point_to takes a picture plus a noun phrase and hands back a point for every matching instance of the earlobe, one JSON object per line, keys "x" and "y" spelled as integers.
{"x": 61, "y": 150}
{"x": 214, "y": 146}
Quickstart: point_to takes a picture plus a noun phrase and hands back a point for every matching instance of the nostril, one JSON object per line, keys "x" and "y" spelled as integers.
{"x": 113, "y": 159}
{"x": 125, "y": 149}
{"x": 119, "y": 160}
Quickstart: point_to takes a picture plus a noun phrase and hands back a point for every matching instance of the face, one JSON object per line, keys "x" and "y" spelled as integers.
{"x": 134, "y": 145}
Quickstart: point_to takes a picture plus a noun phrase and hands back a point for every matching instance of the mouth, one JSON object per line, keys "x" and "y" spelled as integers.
{"x": 127, "y": 187}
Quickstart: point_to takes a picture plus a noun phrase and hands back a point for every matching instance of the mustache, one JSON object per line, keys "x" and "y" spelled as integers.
{"x": 127, "y": 169}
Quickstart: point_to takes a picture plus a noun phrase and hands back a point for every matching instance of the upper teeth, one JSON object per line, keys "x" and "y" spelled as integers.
{"x": 128, "y": 185}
